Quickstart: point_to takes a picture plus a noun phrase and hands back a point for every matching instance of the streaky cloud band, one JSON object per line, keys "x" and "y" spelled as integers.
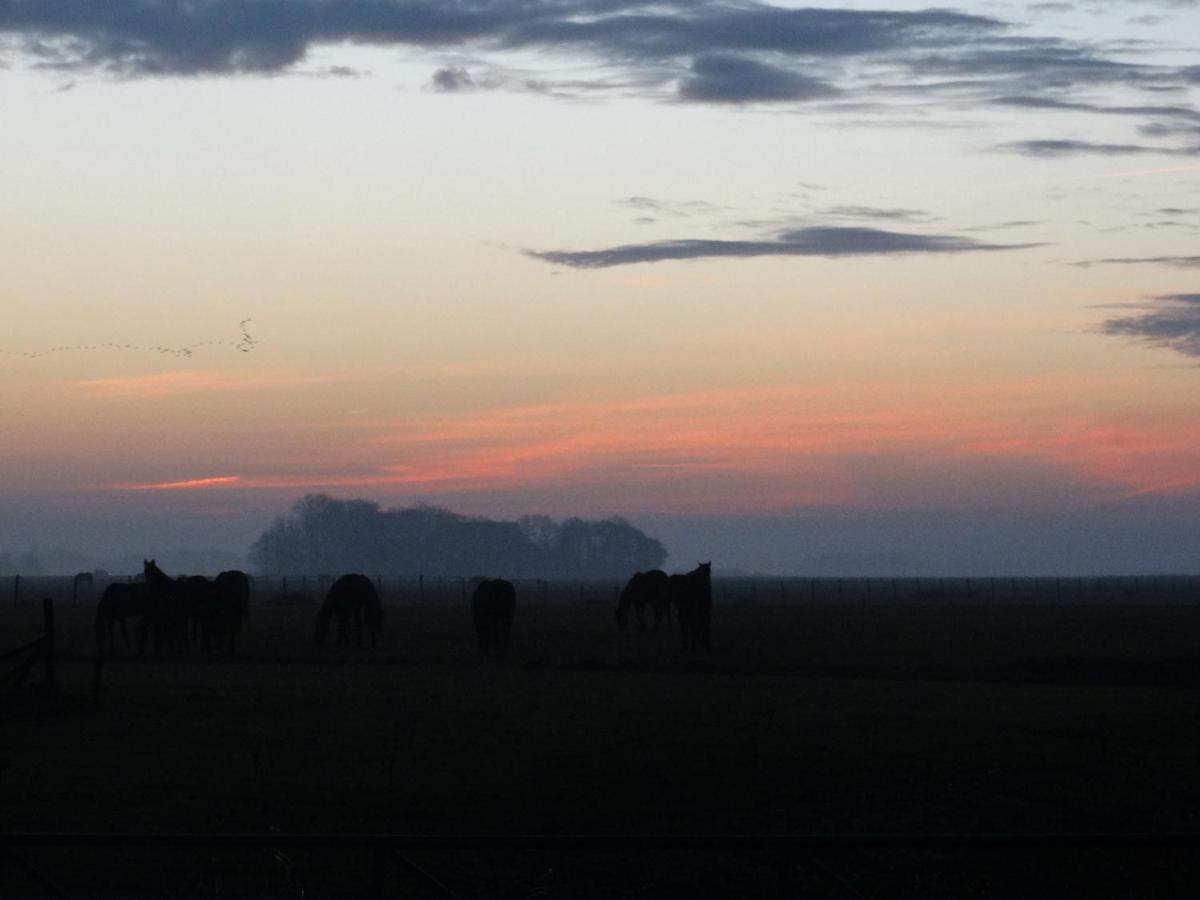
{"x": 1056, "y": 148}
{"x": 1181, "y": 262}
{"x": 820, "y": 241}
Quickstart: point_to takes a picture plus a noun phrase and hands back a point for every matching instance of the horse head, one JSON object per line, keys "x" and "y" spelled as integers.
{"x": 153, "y": 574}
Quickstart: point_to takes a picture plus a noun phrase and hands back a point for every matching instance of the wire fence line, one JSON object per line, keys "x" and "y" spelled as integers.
{"x": 403, "y": 588}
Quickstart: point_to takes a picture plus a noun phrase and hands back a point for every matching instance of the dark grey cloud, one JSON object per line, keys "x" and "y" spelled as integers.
{"x": 1054, "y": 148}
{"x": 1026, "y": 101}
{"x": 452, "y": 78}
{"x": 822, "y": 241}
{"x": 698, "y": 27}
{"x": 1170, "y": 320}
{"x": 1169, "y": 130}
{"x": 735, "y": 79}
{"x": 699, "y": 51}
{"x": 1014, "y": 223}
{"x": 192, "y": 37}
{"x": 1041, "y": 63}
{"x": 875, "y": 212}
{"x": 1181, "y": 262}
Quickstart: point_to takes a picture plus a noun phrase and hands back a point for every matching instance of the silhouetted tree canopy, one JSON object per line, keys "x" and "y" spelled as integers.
{"x": 326, "y": 535}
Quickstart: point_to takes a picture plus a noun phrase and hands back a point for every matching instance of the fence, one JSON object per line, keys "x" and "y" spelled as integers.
{"x": 385, "y": 852}
{"x": 1168, "y": 589}
{"x": 41, "y": 650}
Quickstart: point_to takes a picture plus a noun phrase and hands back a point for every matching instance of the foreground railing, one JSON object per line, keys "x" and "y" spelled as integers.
{"x": 783, "y": 851}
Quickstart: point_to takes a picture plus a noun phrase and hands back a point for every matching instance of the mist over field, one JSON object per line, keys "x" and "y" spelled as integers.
{"x": 1135, "y": 536}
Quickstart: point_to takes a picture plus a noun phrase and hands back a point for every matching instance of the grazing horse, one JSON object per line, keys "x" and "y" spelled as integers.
{"x": 351, "y": 597}
{"x": 645, "y": 589}
{"x": 118, "y": 603}
{"x": 692, "y": 596}
{"x": 493, "y": 604}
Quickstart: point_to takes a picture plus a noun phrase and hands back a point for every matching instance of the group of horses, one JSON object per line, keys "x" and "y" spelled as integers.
{"x": 689, "y": 594}
{"x": 352, "y": 600}
{"x": 174, "y": 614}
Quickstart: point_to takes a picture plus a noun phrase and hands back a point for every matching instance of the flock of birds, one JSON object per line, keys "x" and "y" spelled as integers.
{"x": 244, "y": 344}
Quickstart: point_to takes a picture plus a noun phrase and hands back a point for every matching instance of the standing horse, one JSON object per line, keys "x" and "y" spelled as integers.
{"x": 118, "y": 603}
{"x": 645, "y": 589}
{"x": 168, "y": 611}
{"x": 234, "y": 585}
{"x": 692, "y": 596}
{"x": 214, "y": 610}
{"x": 351, "y": 597}
{"x": 493, "y": 605}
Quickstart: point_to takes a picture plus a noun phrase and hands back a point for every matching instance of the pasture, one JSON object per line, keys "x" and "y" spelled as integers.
{"x": 817, "y": 711}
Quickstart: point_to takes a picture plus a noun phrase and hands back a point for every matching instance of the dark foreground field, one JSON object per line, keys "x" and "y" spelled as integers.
{"x": 913, "y": 717}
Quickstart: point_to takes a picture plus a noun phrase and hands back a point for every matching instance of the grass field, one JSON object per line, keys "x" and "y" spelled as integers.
{"x": 909, "y": 716}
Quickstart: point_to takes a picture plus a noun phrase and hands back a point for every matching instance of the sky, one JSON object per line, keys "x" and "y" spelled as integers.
{"x": 864, "y": 288}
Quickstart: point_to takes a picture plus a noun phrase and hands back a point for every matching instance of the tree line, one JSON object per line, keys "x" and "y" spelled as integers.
{"x": 325, "y": 534}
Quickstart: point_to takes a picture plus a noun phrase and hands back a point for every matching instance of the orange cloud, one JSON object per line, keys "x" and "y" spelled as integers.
{"x": 188, "y": 485}
{"x": 850, "y": 444}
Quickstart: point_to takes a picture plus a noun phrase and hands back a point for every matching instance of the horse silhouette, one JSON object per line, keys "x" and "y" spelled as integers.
{"x": 168, "y": 612}
{"x": 194, "y": 609}
{"x": 645, "y": 589}
{"x": 118, "y": 603}
{"x": 352, "y": 598}
{"x": 493, "y": 604}
{"x": 692, "y": 596}
{"x": 234, "y": 586}
{"x": 215, "y": 609}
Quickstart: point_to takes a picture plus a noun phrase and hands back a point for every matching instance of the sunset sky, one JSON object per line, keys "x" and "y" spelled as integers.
{"x": 848, "y": 289}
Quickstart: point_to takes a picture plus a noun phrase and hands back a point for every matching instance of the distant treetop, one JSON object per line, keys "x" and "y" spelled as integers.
{"x": 324, "y": 534}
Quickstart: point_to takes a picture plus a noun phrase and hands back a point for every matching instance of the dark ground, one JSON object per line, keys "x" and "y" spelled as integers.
{"x": 908, "y": 716}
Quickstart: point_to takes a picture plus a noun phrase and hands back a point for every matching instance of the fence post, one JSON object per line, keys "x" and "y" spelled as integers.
{"x": 421, "y": 587}
{"x": 16, "y": 588}
{"x": 51, "y": 668}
